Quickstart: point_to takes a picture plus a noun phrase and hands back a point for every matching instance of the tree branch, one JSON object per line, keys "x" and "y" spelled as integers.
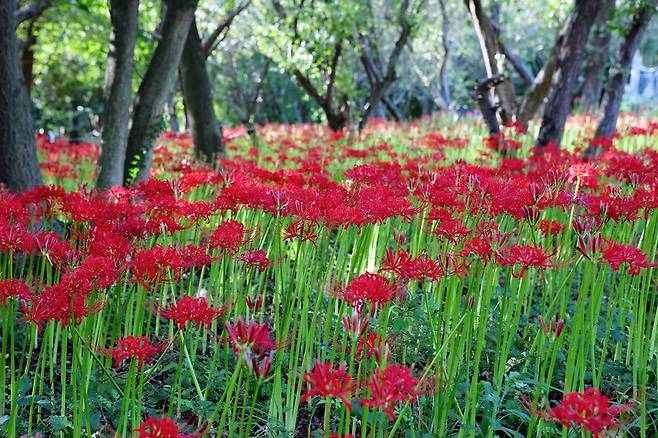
{"x": 32, "y": 12}
{"x": 209, "y": 43}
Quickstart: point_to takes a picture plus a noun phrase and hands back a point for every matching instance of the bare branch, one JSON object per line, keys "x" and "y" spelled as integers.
{"x": 209, "y": 43}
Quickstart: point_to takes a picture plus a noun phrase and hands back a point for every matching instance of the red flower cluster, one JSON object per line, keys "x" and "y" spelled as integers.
{"x": 160, "y": 428}
{"x": 192, "y": 309}
{"x": 368, "y": 287}
{"x": 13, "y": 288}
{"x": 526, "y": 256}
{"x": 255, "y": 259}
{"x": 251, "y": 337}
{"x": 389, "y": 386}
{"x": 615, "y": 254}
{"x": 324, "y": 381}
{"x": 132, "y": 347}
{"x": 589, "y": 409}
{"x": 230, "y": 236}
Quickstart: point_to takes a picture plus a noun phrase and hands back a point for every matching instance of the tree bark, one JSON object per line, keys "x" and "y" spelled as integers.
{"x": 197, "y": 93}
{"x": 536, "y": 93}
{"x": 568, "y": 64}
{"x": 488, "y": 110}
{"x": 152, "y": 94}
{"x": 118, "y": 92}
{"x": 596, "y": 57}
{"x": 490, "y": 47}
{"x": 618, "y": 73}
{"x": 19, "y": 169}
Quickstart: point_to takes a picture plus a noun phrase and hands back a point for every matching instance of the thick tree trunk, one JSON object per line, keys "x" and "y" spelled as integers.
{"x": 197, "y": 94}
{"x": 488, "y": 110}
{"x": 118, "y": 92}
{"x": 618, "y": 73}
{"x": 568, "y": 64}
{"x": 596, "y": 57}
{"x": 158, "y": 80}
{"x": 19, "y": 169}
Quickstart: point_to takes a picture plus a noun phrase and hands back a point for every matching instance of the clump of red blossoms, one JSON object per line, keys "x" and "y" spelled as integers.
{"x": 368, "y": 287}
{"x": 160, "y": 428}
{"x": 132, "y": 347}
{"x": 391, "y": 385}
{"x": 13, "y": 288}
{"x": 249, "y": 337}
{"x": 192, "y": 309}
{"x": 615, "y": 254}
{"x": 255, "y": 259}
{"x": 589, "y": 409}
{"x": 230, "y": 236}
{"x": 325, "y": 381}
{"x": 526, "y": 256}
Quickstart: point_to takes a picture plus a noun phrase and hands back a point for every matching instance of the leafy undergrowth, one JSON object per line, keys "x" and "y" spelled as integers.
{"x": 409, "y": 281}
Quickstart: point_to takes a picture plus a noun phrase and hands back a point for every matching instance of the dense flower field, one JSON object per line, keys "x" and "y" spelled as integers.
{"x": 409, "y": 281}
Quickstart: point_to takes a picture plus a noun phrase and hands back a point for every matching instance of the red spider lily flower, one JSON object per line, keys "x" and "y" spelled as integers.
{"x": 230, "y": 236}
{"x": 261, "y": 369}
{"x": 336, "y": 435}
{"x": 304, "y": 231}
{"x": 153, "y": 264}
{"x": 478, "y": 247}
{"x": 525, "y": 255}
{"x": 248, "y": 337}
{"x": 54, "y": 249}
{"x": 194, "y": 256}
{"x": 324, "y": 381}
{"x": 160, "y": 428}
{"x": 13, "y": 288}
{"x": 254, "y": 305}
{"x": 549, "y": 227}
{"x": 132, "y": 347}
{"x": 192, "y": 309}
{"x": 391, "y": 385}
{"x": 589, "y": 409}
{"x": 255, "y": 259}
{"x": 583, "y": 224}
{"x": 590, "y": 245}
{"x": 357, "y": 323}
{"x": 615, "y": 254}
{"x": 16, "y": 238}
{"x": 368, "y": 287}
{"x": 61, "y": 302}
{"x": 372, "y": 344}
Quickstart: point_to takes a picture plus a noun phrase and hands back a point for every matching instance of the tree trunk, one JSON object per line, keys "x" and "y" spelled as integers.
{"x": 197, "y": 94}
{"x": 171, "y": 112}
{"x": 27, "y": 58}
{"x": 443, "y": 69}
{"x": 568, "y": 64}
{"x": 158, "y": 80}
{"x": 596, "y": 57}
{"x": 618, "y": 73}
{"x": 490, "y": 47}
{"x": 535, "y": 95}
{"x": 118, "y": 92}
{"x": 19, "y": 169}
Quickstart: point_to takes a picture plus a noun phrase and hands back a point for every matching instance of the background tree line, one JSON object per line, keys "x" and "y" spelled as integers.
{"x": 133, "y": 68}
